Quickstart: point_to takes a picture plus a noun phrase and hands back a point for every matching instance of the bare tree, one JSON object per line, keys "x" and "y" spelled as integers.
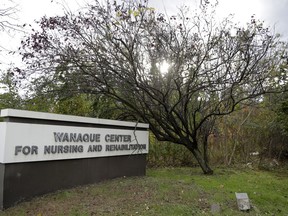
{"x": 7, "y": 16}
{"x": 8, "y": 24}
{"x": 118, "y": 50}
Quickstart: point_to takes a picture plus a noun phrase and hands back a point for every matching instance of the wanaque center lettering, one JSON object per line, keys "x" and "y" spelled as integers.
{"x": 79, "y": 137}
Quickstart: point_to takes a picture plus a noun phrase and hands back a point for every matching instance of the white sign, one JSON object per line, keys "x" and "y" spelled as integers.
{"x": 23, "y": 142}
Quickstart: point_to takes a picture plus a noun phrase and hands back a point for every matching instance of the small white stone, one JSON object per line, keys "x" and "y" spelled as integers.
{"x": 243, "y": 201}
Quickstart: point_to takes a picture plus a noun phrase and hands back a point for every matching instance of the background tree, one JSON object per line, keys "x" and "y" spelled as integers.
{"x": 117, "y": 50}
{"x": 10, "y": 97}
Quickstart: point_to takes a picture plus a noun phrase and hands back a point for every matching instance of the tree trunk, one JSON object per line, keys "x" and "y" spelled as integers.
{"x": 205, "y": 149}
{"x": 201, "y": 161}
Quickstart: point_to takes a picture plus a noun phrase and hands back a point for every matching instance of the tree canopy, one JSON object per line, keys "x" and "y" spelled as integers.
{"x": 118, "y": 49}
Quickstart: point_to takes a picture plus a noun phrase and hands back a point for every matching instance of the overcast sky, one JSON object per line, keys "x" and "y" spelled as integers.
{"x": 273, "y": 12}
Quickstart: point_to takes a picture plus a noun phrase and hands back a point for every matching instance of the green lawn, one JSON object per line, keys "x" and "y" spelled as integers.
{"x": 168, "y": 191}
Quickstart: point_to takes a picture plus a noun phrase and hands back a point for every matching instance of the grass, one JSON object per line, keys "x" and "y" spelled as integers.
{"x": 168, "y": 191}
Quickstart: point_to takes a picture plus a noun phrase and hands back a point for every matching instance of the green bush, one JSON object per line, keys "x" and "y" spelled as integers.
{"x": 166, "y": 154}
